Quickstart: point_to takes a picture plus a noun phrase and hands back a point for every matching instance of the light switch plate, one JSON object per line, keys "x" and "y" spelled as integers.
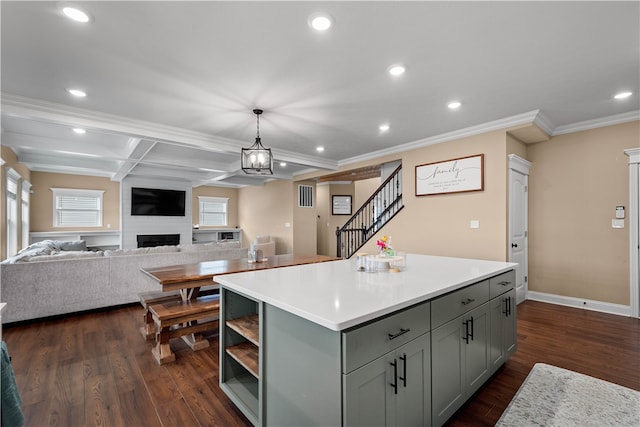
{"x": 617, "y": 223}
{"x": 475, "y": 223}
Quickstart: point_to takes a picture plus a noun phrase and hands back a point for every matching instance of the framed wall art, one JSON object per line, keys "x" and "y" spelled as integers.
{"x": 341, "y": 205}
{"x": 451, "y": 176}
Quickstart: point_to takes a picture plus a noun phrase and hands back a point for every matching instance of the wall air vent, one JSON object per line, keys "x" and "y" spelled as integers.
{"x": 305, "y": 196}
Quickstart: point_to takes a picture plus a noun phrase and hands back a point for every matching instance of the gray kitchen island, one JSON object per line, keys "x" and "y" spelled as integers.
{"x": 327, "y": 345}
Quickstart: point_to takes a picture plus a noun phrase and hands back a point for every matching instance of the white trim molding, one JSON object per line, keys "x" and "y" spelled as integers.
{"x": 604, "y": 307}
{"x": 634, "y": 229}
{"x": 519, "y": 164}
{"x": 617, "y": 119}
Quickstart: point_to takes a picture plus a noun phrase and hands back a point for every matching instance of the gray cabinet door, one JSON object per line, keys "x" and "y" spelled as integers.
{"x": 447, "y": 371}
{"x": 477, "y": 348}
{"x": 460, "y": 361}
{"x": 393, "y": 390}
{"x": 496, "y": 349}
{"x": 413, "y": 402}
{"x": 510, "y": 326}
{"x": 503, "y": 329}
{"x": 369, "y": 398}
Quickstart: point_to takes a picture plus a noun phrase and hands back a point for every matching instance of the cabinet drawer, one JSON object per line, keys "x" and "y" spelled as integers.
{"x": 366, "y": 343}
{"x": 458, "y": 302}
{"x": 500, "y": 284}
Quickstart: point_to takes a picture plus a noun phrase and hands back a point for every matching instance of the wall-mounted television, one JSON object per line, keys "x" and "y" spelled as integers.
{"x": 155, "y": 201}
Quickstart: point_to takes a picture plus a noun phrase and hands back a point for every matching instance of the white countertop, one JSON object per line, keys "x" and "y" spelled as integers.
{"x": 333, "y": 294}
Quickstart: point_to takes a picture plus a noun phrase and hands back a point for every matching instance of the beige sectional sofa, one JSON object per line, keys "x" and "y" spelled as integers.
{"x": 71, "y": 281}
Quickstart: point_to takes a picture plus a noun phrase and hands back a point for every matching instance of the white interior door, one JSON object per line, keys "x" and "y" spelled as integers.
{"x": 519, "y": 222}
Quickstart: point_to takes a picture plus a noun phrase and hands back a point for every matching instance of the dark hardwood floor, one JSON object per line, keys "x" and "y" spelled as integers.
{"x": 96, "y": 370}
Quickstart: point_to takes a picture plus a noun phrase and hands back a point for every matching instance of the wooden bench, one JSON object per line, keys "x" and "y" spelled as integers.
{"x": 148, "y": 329}
{"x": 186, "y": 319}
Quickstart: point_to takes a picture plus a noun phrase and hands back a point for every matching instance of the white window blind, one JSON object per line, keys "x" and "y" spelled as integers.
{"x": 77, "y": 208}
{"x": 213, "y": 210}
{"x": 25, "y": 200}
{"x": 305, "y": 196}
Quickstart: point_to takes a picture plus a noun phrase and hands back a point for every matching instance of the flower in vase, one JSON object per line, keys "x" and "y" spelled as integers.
{"x": 384, "y": 244}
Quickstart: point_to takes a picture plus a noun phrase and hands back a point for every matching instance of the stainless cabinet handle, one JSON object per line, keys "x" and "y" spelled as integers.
{"x": 396, "y": 335}
{"x": 505, "y": 283}
{"x": 467, "y": 301}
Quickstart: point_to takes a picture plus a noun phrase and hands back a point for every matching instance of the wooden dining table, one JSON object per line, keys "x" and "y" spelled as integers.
{"x": 188, "y": 279}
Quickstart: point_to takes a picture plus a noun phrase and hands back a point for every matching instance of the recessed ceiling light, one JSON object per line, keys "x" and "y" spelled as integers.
{"x": 76, "y": 14}
{"x": 77, "y": 92}
{"x": 623, "y": 95}
{"x": 454, "y": 105}
{"x": 397, "y": 70}
{"x": 79, "y": 131}
{"x": 283, "y": 164}
{"x": 320, "y": 21}
{"x": 384, "y": 128}
{"x": 319, "y": 149}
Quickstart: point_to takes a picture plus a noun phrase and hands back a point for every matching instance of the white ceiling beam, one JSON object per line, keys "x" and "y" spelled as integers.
{"x": 28, "y": 108}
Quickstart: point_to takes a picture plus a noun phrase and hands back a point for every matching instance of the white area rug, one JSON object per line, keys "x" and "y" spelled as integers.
{"x": 552, "y": 396}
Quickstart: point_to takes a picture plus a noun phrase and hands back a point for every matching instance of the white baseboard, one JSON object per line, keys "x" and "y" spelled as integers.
{"x": 605, "y": 307}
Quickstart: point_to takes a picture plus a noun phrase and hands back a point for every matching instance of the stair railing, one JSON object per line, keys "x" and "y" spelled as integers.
{"x": 379, "y": 209}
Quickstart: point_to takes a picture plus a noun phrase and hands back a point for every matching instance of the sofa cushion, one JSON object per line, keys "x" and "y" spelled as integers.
{"x": 72, "y": 245}
{"x": 44, "y": 247}
{"x": 56, "y": 256}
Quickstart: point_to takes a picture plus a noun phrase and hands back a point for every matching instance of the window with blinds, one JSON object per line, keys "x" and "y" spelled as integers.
{"x": 305, "y": 196}
{"x": 77, "y": 208}
{"x": 213, "y": 210}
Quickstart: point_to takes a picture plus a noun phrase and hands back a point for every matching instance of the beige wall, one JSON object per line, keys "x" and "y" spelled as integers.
{"x": 517, "y": 147}
{"x": 333, "y": 222}
{"x": 305, "y": 223}
{"x": 575, "y": 184}
{"x": 266, "y": 210}
{"x": 323, "y": 228}
{"x": 232, "y": 204}
{"x": 439, "y": 225}
{"x": 42, "y": 199}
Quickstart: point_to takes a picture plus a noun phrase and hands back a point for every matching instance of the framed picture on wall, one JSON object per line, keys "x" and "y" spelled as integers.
{"x": 451, "y": 176}
{"x": 341, "y": 205}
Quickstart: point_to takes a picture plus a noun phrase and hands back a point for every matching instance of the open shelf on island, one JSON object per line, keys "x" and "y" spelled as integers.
{"x": 244, "y": 392}
{"x": 247, "y": 326}
{"x": 246, "y": 354}
{"x": 240, "y": 338}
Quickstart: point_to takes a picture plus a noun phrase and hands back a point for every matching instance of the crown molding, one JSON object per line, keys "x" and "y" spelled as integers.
{"x": 517, "y": 120}
{"x": 544, "y": 123}
{"x": 598, "y": 123}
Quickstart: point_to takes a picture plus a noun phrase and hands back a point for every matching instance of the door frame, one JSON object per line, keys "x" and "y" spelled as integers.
{"x": 521, "y": 166}
{"x": 634, "y": 230}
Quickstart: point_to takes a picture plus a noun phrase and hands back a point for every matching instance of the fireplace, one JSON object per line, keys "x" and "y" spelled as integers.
{"x": 149, "y": 240}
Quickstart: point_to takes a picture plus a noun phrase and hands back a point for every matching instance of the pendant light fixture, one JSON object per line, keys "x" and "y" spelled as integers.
{"x": 257, "y": 160}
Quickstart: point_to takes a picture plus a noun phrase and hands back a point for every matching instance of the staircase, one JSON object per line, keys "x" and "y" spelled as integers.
{"x": 383, "y": 205}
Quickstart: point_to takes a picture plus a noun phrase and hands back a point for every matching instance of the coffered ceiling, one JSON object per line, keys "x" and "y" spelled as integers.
{"x": 171, "y": 85}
